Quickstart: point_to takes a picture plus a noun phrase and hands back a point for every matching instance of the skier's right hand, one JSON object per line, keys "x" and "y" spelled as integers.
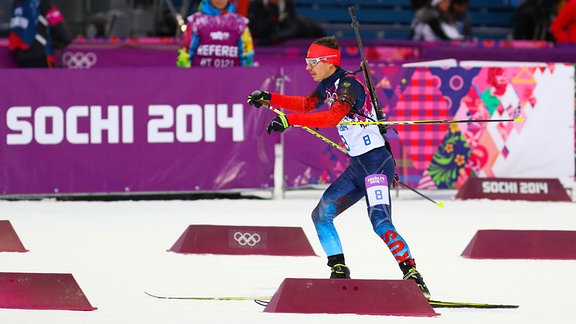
{"x": 258, "y": 98}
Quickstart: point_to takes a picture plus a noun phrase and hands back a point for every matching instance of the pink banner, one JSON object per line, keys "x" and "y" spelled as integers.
{"x": 132, "y": 131}
{"x": 163, "y": 129}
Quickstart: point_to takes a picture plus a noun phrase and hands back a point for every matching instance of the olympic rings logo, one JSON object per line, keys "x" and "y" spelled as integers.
{"x": 247, "y": 238}
{"x": 79, "y": 60}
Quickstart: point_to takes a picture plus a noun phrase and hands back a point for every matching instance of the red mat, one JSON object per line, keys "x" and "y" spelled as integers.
{"x": 522, "y": 244}
{"x": 41, "y": 291}
{"x": 228, "y": 239}
{"x": 350, "y": 296}
{"x": 9, "y": 240}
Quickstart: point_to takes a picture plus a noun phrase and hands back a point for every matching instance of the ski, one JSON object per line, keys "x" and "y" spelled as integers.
{"x": 263, "y": 301}
{"x": 437, "y": 304}
{"x": 209, "y": 297}
{"x": 449, "y": 304}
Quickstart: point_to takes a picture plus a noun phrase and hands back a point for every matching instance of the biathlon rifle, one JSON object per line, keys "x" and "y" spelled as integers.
{"x": 366, "y": 70}
{"x": 370, "y": 85}
{"x": 382, "y": 124}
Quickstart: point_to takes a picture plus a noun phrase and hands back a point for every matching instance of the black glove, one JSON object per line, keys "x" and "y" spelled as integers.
{"x": 278, "y": 124}
{"x": 257, "y": 98}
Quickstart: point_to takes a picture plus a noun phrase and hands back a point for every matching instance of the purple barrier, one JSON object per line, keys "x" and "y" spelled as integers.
{"x": 142, "y": 101}
{"x": 132, "y": 130}
{"x": 554, "y": 54}
{"x": 442, "y": 156}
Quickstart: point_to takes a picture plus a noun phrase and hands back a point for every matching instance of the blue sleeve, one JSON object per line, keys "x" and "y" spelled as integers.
{"x": 194, "y": 43}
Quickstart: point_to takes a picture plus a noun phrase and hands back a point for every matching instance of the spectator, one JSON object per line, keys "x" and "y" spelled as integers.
{"x": 276, "y": 21}
{"x": 532, "y": 20}
{"x": 435, "y": 22}
{"x": 462, "y": 17}
{"x": 36, "y": 29}
{"x": 563, "y": 27}
{"x": 216, "y": 36}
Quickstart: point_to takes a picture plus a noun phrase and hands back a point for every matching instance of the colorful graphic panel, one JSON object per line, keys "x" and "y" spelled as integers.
{"x": 444, "y": 155}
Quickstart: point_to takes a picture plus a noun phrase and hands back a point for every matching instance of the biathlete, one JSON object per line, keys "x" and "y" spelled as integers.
{"x": 372, "y": 168}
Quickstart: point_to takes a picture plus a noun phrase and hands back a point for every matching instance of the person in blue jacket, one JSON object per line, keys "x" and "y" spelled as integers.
{"x": 36, "y": 29}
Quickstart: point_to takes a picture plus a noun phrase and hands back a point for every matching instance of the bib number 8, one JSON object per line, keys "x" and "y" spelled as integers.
{"x": 367, "y": 140}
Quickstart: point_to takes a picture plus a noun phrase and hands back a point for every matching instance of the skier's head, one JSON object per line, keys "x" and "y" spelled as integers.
{"x": 323, "y": 57}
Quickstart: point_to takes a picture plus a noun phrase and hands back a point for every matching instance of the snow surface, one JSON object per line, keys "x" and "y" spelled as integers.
{"x": 117, "y": 250}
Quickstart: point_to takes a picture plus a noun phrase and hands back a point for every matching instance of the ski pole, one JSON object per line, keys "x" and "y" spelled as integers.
{"x": 177, "y": 16}
{"x": 308, "y": 129}
{"x": 439, "y": 204}
{"x": 519, "y": 119}
{"x": 329, "y": 141}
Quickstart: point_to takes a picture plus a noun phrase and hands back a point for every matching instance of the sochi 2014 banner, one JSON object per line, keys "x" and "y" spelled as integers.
{"x": 132, "y": 130}
{"x": 146, "y": 130}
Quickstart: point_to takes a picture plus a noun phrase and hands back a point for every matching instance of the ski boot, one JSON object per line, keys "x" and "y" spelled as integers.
{"x": 340, "y": 271}
{"x": 410, "y": 272}
{"x": 338, "y": 266}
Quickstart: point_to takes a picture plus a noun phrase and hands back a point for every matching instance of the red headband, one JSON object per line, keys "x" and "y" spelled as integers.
{"x": 316, "y": 51}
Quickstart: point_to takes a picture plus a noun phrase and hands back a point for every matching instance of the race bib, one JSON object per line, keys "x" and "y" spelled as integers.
{"x": 377, "y": 189}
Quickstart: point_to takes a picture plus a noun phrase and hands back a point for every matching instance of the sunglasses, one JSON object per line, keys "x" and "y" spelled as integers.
{"x": 314, "y": 61}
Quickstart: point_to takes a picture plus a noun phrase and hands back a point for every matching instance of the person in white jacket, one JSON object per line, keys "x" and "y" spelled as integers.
{"x": 435, "y": 22}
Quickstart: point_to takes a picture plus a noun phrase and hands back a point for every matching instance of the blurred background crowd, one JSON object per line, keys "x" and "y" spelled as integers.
{"x": 252, "y": 23}
{"x": 385, "y": 19}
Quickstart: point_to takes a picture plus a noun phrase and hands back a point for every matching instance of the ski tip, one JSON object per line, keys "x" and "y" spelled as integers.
{"x": 519, "y": 119}
{"x": 262, "y": 302}
{"x": 440, "y": 204}
{"x": 152, "y": 295}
